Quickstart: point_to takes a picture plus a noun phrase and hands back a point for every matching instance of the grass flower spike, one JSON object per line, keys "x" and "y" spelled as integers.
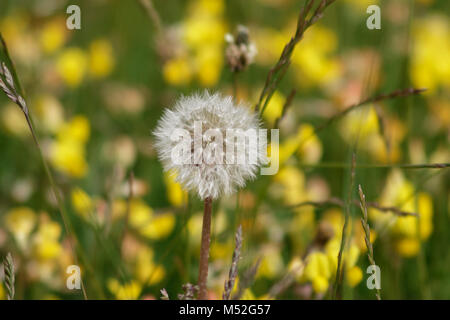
{"x": 215, "y": 113}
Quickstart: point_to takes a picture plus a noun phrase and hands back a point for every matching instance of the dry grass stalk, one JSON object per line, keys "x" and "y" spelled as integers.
{"x": 229, "y": 284}
{"x": 246, "y": 280}
{"x": 14, "y": 93}
{"x": 277, "y": 72}
{"x": 152, "y": 14}
{"x": 8, "y": 265}
{"x": 286, "y": 106}
{"x": 339, "y": 273}
{"x": 365, "y": 225}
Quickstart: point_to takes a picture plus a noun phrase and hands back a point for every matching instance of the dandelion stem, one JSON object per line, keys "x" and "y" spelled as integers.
{"x": 204, "y": 251}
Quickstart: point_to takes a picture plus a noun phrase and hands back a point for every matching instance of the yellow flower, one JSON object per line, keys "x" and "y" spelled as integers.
{"x": 430, "y": 66}
{"x": 78, "y": 129}
{"x": 310, "y": 147}
{"x": 177, "y": 71}
{"x": 45, "y": 243}
{"x": 209, "y": 61}
{"x": 292, "y": 180}
{"x": 140, "y": 214}
{"x": 71, "y": 65}
{"x": 147, "y": 272}
{"x": 354, "y": 276}
{"x": 69, "y": 157}
{"x": 221, "y": 251}
{"x": 320, "y": 284}
{"x": 53, "y": 35}
{"x": 175, "y": 193}
{"x": 159, "y": 226}
{"x": 20, "y": 222}
{"x": 275, "y": 107}
{"x": 101, "y": 58}
{"x": 67, "y": 153}
{"x": 81, "y": 202}
{"x": 317, "y": 265}
{"x": 271, "y": 263}
{"x": 407, "y": 247}
{"x": 127, "y": 291}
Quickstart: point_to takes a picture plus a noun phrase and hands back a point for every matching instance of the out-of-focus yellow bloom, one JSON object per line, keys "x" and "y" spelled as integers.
{"x": 305, "y": 142}
{"x": 81, "y": 202}
{"x": 297, "y": 267}
{"x": 49, "y": 112}
{"x": 407, "y": 247}
{"x": 271, "y": 263}
{"x": 313, "y": 60}
{"x": 127, "y": 291}
{"x": 275, "y": 107}
{"x": 13, "y": 120}
{"x": 2, "y": 292}
{"x": 147, "y": 272}
{"x": 408, "y": 230}
{"x": 320, "y": 284}
{"x": 318, "y": 271}
{"x": 221, "y": 251}
{"x": 175, "y": 192}
{"x": 69, "y": 157}
{"x": 160, "y": 226}
{"x": 363, "y": 125}
{"x": 177, "y": 71}
{"x": 430, "y": 66}
{"x": 45, "y": 242}
{"x": 78, "y": 129}
{"x": 20, "y": 222}
{"x": 201, "y": 43}
{"x": 53, "y": 35}
{"x": 353, "y": 276}
{"x": 72, "y": 65}
{"x": 140, "y": 213}
{"x": 101, "y": 58}
{"x": 209, "y": 62}
{"x": 195, "y": 229}
{"x": 67, "y": 153}
{"x": 292, "y": 180}
{"x": 310, "y": 149}
{"x": 408, "y": 226}
{"x": 317, "y": 264}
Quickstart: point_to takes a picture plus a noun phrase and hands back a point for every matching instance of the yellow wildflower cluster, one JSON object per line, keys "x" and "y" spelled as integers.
{"x": 74, "y": 63}
{"x": 406, "y": 231}
{"x": 38, "y": 239}
{"x": 202, "y": 42}
{"x": 363, "y": 126}
{"x": 313, "y": 62}
{"x": 430, "y": 66}
{"x": 143, "y": 219}
{"x": 67, "y": 152}
{"x": 321, "y": 265}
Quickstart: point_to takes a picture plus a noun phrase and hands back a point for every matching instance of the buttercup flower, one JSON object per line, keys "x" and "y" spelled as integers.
{"x": 206, "y": 118}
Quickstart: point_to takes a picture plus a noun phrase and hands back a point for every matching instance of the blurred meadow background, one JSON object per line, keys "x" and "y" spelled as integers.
{"x": 96, "y": 94}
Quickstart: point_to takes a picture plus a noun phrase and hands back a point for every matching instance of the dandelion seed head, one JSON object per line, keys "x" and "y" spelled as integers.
{"x": 216, "y": 113}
